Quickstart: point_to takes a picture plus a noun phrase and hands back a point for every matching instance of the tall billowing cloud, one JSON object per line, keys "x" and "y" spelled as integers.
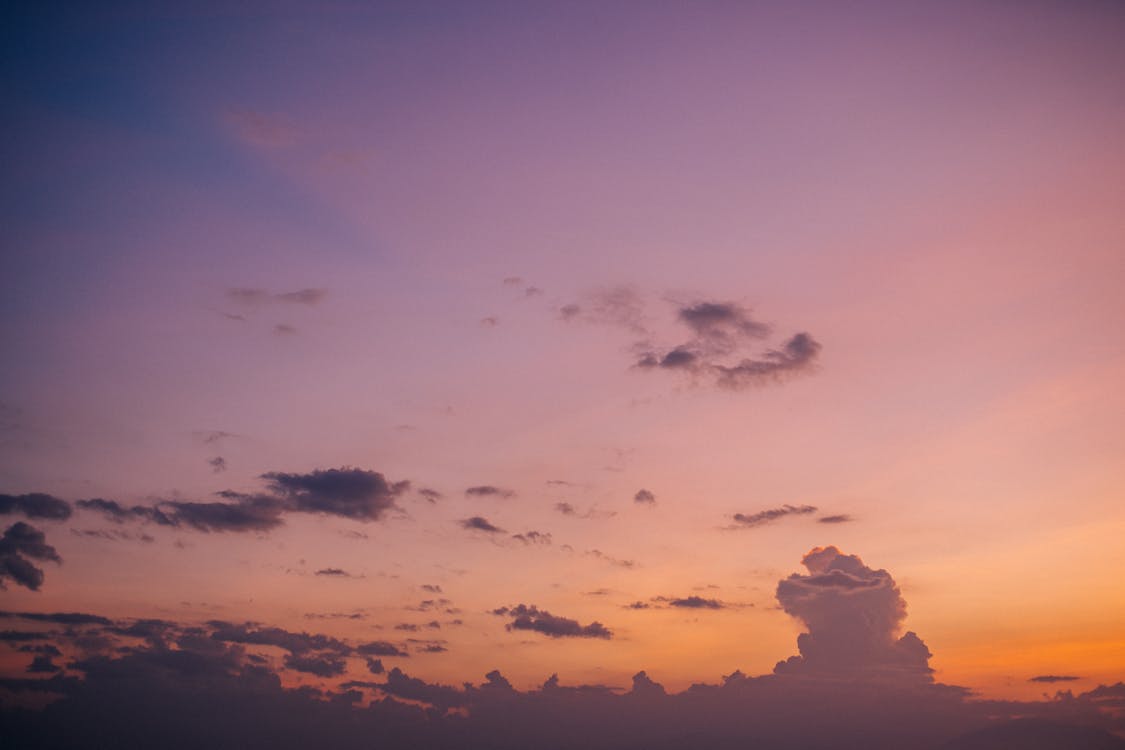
{"x": 853, "y": 615}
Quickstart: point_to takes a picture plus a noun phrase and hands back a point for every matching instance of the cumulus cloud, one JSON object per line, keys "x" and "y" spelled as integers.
{"x": 321, "y": 665}
{"x": 747, "y": 521}
{"x": 644, "y": 497}
{"x": 35, "y": 505}
{"x": 853, "y": 615}
{"x": 488, "y": 490}
{"x": 21, "y": 544}
{"x": 479, "y": 523}
{"x": 530, "y": 617}
{"x": 359, "y": 494}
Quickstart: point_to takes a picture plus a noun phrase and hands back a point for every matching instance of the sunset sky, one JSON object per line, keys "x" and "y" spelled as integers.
{"x": 644, "y": 301}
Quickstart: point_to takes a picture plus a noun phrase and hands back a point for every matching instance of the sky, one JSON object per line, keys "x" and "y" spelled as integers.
{"x": 556, "y": 338}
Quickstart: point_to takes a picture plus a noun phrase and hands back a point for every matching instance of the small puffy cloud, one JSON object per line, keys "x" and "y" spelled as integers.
{"x": 21, "y": 544}
{"x": 747, "y": 521}
{"x": 644, "y": 497}
{"x": 429, "y": 495}
{"x": 530, "y": 617}
{"x": 35, "y": 505}
{"x": 853, "y": 615}
{"x": 479, "y": 523}
{"x": 218, "y": 464}
{"x": 566, "y": 509}
{"x": 375, "y": 666}
{"x": 488, "y": 490}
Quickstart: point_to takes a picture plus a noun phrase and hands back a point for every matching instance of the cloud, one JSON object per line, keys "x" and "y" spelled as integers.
{"x": 479, "y": 523}
{"x": 842, "y": 518}
{"x": 334, "y": 573}
{"x": 1052, "y": 678}
{"x": 512, "y": 281}
{"x": 530, "y": 617}
{"x": 853, "y": 615}
{"x": 721, "y": 332}
{"x": 619, "y": 306}
{"x": 490, "y": 321}
{"x": 60, "y": 618}
{"x": 218, "y": 464}
{"x": 692, "y": 602}
{"x": 643, "y": 496}
{"x": 322, "y": 665}
{"x": 796, "y": 355}
{"x": 747, "y": 521}
{"x": 253, "y": 296}
{"x": 431, "y": 587}
{"x": 403, "y": 686}
{"x": 375, "y": 666}
{"x": 488, "y": 490}
{"x": 565, "y": 508}
{"x": 533, "y": 537}
{"x": 42, "y": 664}
{"x": 615, "y": 561}
{"x": 356, "y": 494}
{"x": 295, "y": 643}
{"x": 35, "y": 505}
{"x": 379, "y": 648}
{"x": 430, "y": 496}
{"x": 21, "y": 544}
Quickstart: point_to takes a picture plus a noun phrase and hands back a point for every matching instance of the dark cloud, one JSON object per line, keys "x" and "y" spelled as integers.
{"x": 488, "y": 490}
{"x": 644, "y": 497}
{"x": 375, "y": 666}
{"x": 379, "y": 648}
{"x": 60, "y": 618}
{"x": 36, "y": 505}
{"x": 356, "y": 494}
{"x": 210, "y": 437}
{"x": 565, "y": 508}
{"x": 411, "y": 688}
{"x": 533, "y": 537}
{"x": 359, "y": 494}
{"x": 15, "y": 636}
{"x": 746, "y": 521}
{"x": 431, "y": 496}
{"x": 853, "y": 615}
{"x": 112, "y": 535}
{"x": 218, "y": 464}
{"x": 720, "y": 332}
{"x": 334, "y": 573}
{"x": 321, "y": 665}
{"x": 295, "y": 643}
{"x": 512, "y": 281}
{"x": 479, "y": 523}
{"x": 433, "y": 588}
{"x": 530, "y": 617}
{"x": 843, "y": 518}
{"x": 253, "y": 296}
{"x": 692, "y": 602}
{"x": 1051, "y": 678}
{"x": 42, "y": 664}
{"x": 21, "y": 544}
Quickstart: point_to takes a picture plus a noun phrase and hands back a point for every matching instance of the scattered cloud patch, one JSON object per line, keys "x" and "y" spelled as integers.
{"x": 1053, "y": 678}
{"x": 488, "y": 490}
{"x": 36, "y": 506}
{"x": 530, "y": 617}
{"x": 761, "y": 518}
{"x": 644, "y": 497}
{"x": 841, "y": 518}
{"x": 20, "y": 544}
{"x": 479, "y": 523}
